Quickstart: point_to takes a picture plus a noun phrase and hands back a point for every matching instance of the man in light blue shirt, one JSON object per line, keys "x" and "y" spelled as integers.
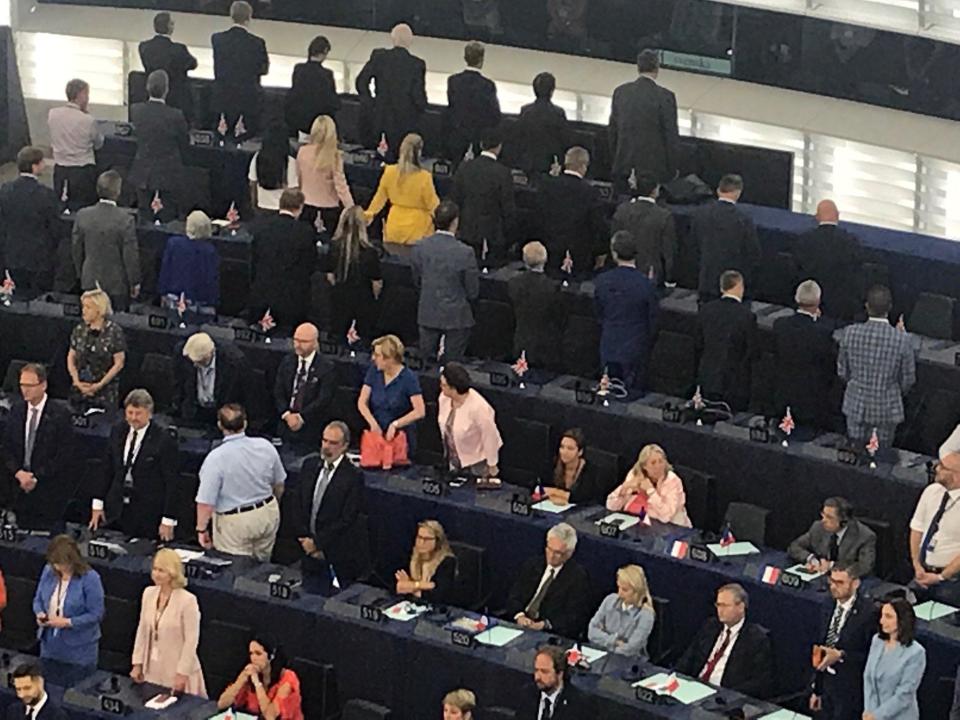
{"x": 241, "y": 482}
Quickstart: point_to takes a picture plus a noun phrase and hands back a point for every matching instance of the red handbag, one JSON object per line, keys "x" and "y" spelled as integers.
{"x": 376, "y": 452}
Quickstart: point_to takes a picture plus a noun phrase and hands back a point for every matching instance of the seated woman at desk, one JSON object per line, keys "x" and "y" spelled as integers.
{"x": 265, "y": 687}
{"x": 191, "y": 268}
{"x": 433, "y": 566}
{"x": 625, "y": 618}
{"x": 165, "y": 648}
{"x": 895, "y": 666}
{"x": 97, "y": 354}
{"x": 459, "y": 705}
{"x": 652, "y": 487}
{"x": 574, "y": 480}
{"x": 468, "y": 425}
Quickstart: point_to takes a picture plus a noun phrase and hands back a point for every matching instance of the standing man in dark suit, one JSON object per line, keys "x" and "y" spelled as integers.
{"x": 161, "y": 53}
{"x": 445, "y": 271}
{"x": 730, "y": 652}
{"x": 207, "y": 376}
{"x": 401, "y": 95}
{"x": 556, "y": 697}
{"x": 329, "y": 502}
{"x": 473, "y": 109}
{"x": 37, "y": 443}
{"x": 314, "y": 90}
{"x": 806, "y": 360}
{"x": 627, "y": 305}
{"x": 838, "y": 537}
{"x": 537, "y": 310}
{"x": 552, "y": 592}
{"x": 877, "y": 362}
{"x": 483, "y": 190}
{"x": 162, "y": 143}
{"x": 239, "y": 60}
{"x": 283, "y": 259}
{"x": 105, "y": 250}
{"x": 725, "y": 345}
{"x": 572, "y": 216}
{"x": 652, "y": 228}
{"x": 833, "y": 257}
{"x": 139, "y": 494}
{"x": 30, "y": 227}
{"x": 846, "y": 631}
{"x": 35, "y": 703}
{"x": 541, "y": 135}
{"x": 303, "y": 391}
{"x": 643, "y": 126}
{"x": 725, "y": 238}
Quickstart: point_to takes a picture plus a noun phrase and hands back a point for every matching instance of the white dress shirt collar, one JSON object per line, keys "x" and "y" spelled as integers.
{"x": 108, "y": 202}
{"x": 35, "y": 710}
{"x": 487, "y": 153}
{"x": 726, "y": 200}
{"x": 472, "y": 69}
{"x": 446, "y": 232}
{"x": 645, "y": 198}
{"x": 157, "y": 100}
{"x": 830, "y": 223}
{"x": 807, "y": 313}
{"x": 732, "y": 297}
{"x": 574, "y": 173}
{"x": 880, "y": 319}
{"x": 29, "y": 175}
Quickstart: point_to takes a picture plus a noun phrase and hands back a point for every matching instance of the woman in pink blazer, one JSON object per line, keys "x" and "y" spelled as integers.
{"x": 165, "y": 649}
{"x": 468, "y": 425}
{"x": 651, "y": 486}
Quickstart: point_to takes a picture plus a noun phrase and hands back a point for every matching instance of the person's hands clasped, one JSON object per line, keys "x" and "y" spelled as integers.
{"x": 310, "y": 548}
{"x": 58, "y": 622}
{"x": 525, "y": 622}
{"x": 831, "y": 656}
{"x": 294, "y": 421}
{"x": 927, "y": 579}
{"x": 391, "y": 432}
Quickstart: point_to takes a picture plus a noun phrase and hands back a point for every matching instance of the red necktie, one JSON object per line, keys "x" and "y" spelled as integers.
{"x": 712, "y": 662}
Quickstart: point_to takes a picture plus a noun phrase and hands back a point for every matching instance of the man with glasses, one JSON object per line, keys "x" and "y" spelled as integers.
{"x": 837, "y": 537}
{"x": 552, "y": 592}
{"x": 935, "y": 535}
{"x": 36, "y": 450}
{"x": 730, "y": 652}
{"x": 328, "y": 510}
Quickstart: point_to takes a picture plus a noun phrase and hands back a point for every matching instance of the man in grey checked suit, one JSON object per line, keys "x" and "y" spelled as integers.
{"x": 878, "y": 364}
{"x": 105, "y": 250}
{"x": 445, "y": 270}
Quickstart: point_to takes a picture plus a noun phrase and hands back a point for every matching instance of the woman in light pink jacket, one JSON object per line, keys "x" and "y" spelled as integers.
{"x": 653, "y": 487}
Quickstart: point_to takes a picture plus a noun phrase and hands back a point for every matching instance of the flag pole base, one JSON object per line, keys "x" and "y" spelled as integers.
{"x": 353, "y": 353}
{"x": 606, "y": 403}
{"x": 566, "y": 284}
{"x": 486, "y": 271}
{"x": 873, "y": 465}
{"x": 183, "y": 326}
{"x": 268, "y": 341}
{"x": 785, "y": 444}
{"x": 699, "y": 422}
{"x": 157, "y": 221}
{"x": 66, "y": 211}
{"x": 522, "y": 386}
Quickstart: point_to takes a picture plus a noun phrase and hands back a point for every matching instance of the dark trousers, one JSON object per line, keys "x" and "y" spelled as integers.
{"x": 455, "y": 342}
{"x": 632, "y": 374}
{"x": 330, "y": 217}
{"x": 80, "y": 183}
{"x": 120, "y": 302}
{"x": 31, "y": 283}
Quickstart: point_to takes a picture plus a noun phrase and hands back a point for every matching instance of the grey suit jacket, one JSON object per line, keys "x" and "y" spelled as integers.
{"x": 105, "y": 249}
{"x": 445, "y": 270}
{"x": 858, "y": 546}
{"x": 879, "y": 366}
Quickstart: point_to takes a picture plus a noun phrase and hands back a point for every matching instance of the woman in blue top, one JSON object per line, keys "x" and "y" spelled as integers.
{"x": 895, "y": 666}
{"x": 625, "y": 618}
{"x": 68, "y": 604}
{"x": 391, "y": 399}
{"x": 191, "y": 267}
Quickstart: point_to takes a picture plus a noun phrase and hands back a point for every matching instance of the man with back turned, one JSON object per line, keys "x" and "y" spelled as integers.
{"x": 239, "y": 60}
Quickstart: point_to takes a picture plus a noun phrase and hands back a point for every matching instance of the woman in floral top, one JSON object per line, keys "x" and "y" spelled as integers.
{"x": 97, "y": 353}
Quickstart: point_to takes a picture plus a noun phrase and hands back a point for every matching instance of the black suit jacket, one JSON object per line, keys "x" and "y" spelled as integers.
{"x": 239, "y": 60}
{"x": 162, "y": 142}
{"x": 538, "y": 313}
{"x": 232, "y": 382}
{"x": 725, "y": 343}
{"x": 338, "y": 519}
{"x": 539, "y": 136}
{"x": 726, "y": 240}
{"x": 401, "y": 92}
{"x": 313, "y": 93}
{"x": 842, "y": 691}
{"x": 154, "y": 494}
{"x": 833, "y": 257}
{"x": 50, "y": 463}
{"x": 572, "y": 220}
{"x": 750, "y": 665}
{"x": 16, "y": 711}
{"x": 283, "y": 259}
{"x": 161, "y": 53}
{"x": 30, "y": 227}
{"x": 643, "y": 130}
{"x": 571, "y": 704}
{"x": 316, "y": 396}
{"x": 567, "y": 604}
{"x": 806, "y": 368}
{"x": 483, "y": 189}
{"x": 472, "y": 108}
{"x": 654, "y": 234}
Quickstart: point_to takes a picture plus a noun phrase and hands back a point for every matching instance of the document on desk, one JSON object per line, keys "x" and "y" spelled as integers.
{"x": 800, "y": 570}
{"x": 405, "y": 611}
{"x": 931, "y": 610}
{"x": 732, "y": 550}
{"x": 161, "y": 701}
{"x": 621, "y": 520}
{"x": 187, "y": 555}
{"x": 498, "y": 636}
{"x": 785, "y": 715}
{"x": 591, "y": 655}
{"x": 687, "y": 691}
{"x": 551, "y": 507}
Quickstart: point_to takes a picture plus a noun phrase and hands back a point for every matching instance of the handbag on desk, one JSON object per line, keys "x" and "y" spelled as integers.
{"x": 377, "y": 452}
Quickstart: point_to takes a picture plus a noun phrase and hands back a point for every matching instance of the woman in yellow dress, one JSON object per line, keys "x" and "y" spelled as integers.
{"x": 409, "y": 188}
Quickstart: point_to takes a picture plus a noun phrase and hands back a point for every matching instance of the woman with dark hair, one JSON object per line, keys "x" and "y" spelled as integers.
{"x": 272, "y": 170}
{"x": 467, "y": 424}
{"x": 265, "y": 687}
{"x": 574, "y": 480}
{"x": 433, "y": 566}
{"x": 69, "y": 606}
{"x": 353, "y": 269}
{"x": 894, "y": 667}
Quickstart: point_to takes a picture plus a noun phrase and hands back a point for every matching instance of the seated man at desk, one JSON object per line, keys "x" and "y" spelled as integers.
{"x": 37, "y": 705}
{"x": 552, "y": 593}
{"x": 837, "y": 537}
{"x": 208, "y": 375}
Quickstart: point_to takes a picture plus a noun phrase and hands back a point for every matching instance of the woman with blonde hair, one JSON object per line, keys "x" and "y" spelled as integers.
{"x": 322, "y": 180}
{"x": 625, "y": 618}
{"x": 652, "y": 487}
{"x": 353, "y": 269}
{"x": 412, "y": 196}
{"x": 433, "y": 566}
{"x": 165, "y": 648}
{"x": 98, "y": 351}
{"x": 459, "y": 705}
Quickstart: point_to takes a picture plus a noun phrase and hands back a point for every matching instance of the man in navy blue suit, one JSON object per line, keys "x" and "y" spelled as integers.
{"x": 626, "y": 303}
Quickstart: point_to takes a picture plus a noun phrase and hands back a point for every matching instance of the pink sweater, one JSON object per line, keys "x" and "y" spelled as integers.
{"x": 667, "y": 503}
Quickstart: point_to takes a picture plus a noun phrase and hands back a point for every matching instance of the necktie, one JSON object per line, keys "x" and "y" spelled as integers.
{"x": 298, "y": 382}
{"x": 547, "y": 709}
{"x": 31, "y": 439}
{"x": 131, "y": 451}
{"x": 449, "y": 442}
{"x": 318, "y": 493}
{"x": 834, "y": 549}
{"x": 532, "y": 610}
{"x": 715, "y": 660}
{"x": 833, "y": 632}
{"x": 932, "y": 530}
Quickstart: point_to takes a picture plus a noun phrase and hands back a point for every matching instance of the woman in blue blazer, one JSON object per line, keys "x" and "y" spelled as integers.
{"x": 68, "y": 604}
{"x": 895, "y": 666}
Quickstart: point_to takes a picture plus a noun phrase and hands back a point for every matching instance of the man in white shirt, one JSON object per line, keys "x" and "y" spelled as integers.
{"x": 75, "y": 137}
{"x": 37, "y": 705}
{"x": 935, "y": 535}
